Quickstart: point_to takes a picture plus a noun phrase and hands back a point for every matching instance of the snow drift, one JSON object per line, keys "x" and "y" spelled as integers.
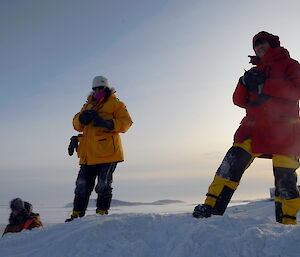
{"x": 244, "y": 231}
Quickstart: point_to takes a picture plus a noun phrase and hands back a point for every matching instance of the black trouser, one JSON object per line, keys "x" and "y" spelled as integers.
{"x": 85, "y": 184}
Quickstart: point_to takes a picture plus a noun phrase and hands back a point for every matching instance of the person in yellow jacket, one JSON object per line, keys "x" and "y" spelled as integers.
{"x": 100, "y": 121}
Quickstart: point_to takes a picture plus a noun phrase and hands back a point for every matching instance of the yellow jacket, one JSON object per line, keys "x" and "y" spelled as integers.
{"x": 97, "y": 144}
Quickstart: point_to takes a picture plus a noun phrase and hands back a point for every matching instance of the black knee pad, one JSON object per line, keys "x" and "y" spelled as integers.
{"x": 234, "y": 164}
{"x": 85, "y": 181}
{"x": 81, "y": 187}
{"x": 285, "y": 183}
{"x": 103, "y": 188}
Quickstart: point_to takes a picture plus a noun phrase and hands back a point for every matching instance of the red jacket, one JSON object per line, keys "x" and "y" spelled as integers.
{"x": 33, "y": 221}
{"x": 273, "y": 125}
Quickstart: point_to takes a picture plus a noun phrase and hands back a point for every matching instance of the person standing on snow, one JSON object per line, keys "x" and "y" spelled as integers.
{"x": 22, "y": 217}
{"x": 270, "y": 93}
{"x": 100, "y": 120}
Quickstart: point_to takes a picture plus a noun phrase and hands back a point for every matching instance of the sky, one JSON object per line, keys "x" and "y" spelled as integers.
{"x": 174, "y": 63}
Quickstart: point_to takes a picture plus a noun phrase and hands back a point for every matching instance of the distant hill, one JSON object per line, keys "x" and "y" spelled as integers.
{"x": 114, "y": 203}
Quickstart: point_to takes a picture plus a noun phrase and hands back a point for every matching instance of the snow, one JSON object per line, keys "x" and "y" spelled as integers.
{"x": 247, "y": 230}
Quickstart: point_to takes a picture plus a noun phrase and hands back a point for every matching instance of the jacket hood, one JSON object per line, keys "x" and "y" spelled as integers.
{"x": 273, "y": 40}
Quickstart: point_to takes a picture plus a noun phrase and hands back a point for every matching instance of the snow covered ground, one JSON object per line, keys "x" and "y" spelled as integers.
{"x": 247, "y": 230}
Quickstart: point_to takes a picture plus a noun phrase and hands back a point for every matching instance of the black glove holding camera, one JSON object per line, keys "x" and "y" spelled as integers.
{"x": 101, "y": 122}
{"x": 253, "y": 80}
{"x": 73, "y": 145}
{"x": 87, "y": 116}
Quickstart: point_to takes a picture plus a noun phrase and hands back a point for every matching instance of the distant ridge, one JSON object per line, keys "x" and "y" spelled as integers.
{"x": 114, "y": 202}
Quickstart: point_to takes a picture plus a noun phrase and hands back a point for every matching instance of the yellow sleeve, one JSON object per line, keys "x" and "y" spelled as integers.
{"x": 122, "y": 120}
{"x": 76, "y": 123}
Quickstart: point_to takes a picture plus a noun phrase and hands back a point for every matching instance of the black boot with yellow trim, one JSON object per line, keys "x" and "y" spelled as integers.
{"x": 218, "y": 196}
{"x": 225, "y": 183}
{"x": 101, "y": 212}
{"x": 286, "y": 210}
{"x": 287, "y": 198}
{"x": 75, "y": 215}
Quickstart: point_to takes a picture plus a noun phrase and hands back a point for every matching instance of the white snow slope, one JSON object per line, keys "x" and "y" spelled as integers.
{"x": 244, "y": 231}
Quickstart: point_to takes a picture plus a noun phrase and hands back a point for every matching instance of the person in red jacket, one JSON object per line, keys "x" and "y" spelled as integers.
{"x": 270, "y": 93}
{"x": 22, "y": 217}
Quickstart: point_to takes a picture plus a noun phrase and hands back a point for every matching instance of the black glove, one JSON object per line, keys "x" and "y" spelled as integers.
{"x": 73, "y": 145}
{"x": 87, "y": 116}
{"x": 253, "y": 80}
{"x": 100, "y": 122}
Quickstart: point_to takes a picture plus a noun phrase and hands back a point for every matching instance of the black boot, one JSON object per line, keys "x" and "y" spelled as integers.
{"x": 75, "y": 215}
{"x": 202, "y": 211}
{"x": 69, "y": 219}
{"x": 225, "y": 183}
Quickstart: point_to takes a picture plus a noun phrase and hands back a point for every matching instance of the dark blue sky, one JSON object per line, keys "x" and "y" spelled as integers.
{"x": 42, "y": 39}
{"x": 174, "y": 63}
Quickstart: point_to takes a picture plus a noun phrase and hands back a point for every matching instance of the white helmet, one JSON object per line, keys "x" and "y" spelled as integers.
{"x": 100, "y": 81}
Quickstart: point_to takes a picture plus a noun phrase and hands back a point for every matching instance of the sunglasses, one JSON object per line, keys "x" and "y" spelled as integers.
{"x": 100, "y": 87}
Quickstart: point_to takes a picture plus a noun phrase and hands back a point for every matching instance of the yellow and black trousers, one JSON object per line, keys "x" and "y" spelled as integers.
{"x": 236, "y": 161}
